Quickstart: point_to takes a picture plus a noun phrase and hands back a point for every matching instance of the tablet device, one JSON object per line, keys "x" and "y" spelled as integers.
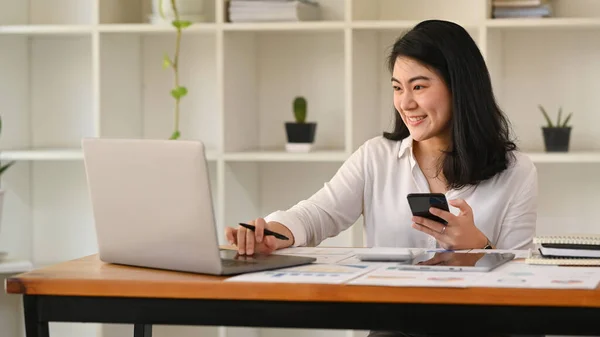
{"x": 453, "y": 261}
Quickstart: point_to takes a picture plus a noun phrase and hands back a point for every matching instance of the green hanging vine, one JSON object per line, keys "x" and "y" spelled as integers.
{"x": 178, "y": 91}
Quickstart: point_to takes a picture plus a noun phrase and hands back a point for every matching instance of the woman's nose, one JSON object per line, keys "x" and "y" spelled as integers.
{"x": 407, "y": 102}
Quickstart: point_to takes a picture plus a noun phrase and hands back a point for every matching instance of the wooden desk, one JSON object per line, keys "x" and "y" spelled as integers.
{"x": 88, "y": 290}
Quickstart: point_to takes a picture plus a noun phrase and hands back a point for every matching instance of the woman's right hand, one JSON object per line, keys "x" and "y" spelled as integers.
{"x": 249, "y": 242}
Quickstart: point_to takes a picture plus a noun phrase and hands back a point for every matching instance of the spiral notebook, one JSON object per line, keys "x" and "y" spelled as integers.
{"x": 572, "y": 249}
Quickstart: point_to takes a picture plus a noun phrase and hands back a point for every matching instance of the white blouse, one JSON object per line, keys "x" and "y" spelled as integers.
{"x": 374, "y": 182}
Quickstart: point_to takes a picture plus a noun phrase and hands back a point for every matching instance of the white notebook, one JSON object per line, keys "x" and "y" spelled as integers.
{"x": 570, "y": 249}
{"x": 576, "y": 239}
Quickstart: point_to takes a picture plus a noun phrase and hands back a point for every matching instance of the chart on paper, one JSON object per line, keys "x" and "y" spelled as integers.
{"x": 389, "y": 275}
{"x": 312, "y": 273}
{"x": 323, "y": 255}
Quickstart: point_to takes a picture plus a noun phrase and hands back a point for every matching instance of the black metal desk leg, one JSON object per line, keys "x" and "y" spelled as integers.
{"x": 141, "y": 330}
{"x": 33, "y": 326}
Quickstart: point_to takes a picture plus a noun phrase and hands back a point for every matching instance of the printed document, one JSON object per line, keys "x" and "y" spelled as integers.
{"x": 311, "y": 273}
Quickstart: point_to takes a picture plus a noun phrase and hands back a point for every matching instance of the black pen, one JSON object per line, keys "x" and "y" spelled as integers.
{"x": 267, "y": 232}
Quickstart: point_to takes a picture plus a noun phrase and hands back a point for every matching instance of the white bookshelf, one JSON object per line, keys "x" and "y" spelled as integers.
{"x": 92, "y": 68}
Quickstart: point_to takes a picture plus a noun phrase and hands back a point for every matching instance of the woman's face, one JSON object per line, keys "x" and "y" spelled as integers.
{"x": 422, "y": 99}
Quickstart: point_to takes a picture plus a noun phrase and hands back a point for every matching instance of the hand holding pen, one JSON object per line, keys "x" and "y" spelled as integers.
{"x": 257, "y": 236}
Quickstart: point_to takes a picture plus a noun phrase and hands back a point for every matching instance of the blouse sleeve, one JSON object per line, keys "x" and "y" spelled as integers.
{"x": 519, "y": 225}
{"x": 332, "y": 209}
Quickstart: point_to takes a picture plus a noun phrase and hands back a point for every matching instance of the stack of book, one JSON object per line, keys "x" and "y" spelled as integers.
{"x": 567, "y": 250}
{"x": 521, "y": 8}
{"x": 273, "y": 10}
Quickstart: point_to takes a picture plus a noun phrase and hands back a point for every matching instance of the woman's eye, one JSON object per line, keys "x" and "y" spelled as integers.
{"x": 396, "y": 88}
{"x": 417, "y": 87}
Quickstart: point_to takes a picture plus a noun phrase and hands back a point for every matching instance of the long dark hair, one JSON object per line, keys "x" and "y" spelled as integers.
{"x": 480, "y": 131}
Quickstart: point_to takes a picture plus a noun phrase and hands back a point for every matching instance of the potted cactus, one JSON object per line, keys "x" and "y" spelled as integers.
{"x": 556, "y": 136}
{"x": 300, "y": 134}
{"x": 3, "y": 168}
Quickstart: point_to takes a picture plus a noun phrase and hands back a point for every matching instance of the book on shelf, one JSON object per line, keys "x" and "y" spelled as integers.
{"x": 272, "y": 10}
{"x": 521, "y": 9}
{"x": 573, "y": 249}
{"x": 518, "y": 3}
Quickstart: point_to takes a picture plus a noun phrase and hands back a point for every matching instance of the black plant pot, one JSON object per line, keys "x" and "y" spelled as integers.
{"x": 300, "y": 132}
{"x": 300, "y": 136}
{"x": 557, "y": 139}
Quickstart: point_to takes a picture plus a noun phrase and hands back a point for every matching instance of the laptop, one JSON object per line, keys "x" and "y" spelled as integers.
{"x": 152, "y": 207}
{"x": 457, "y": 261}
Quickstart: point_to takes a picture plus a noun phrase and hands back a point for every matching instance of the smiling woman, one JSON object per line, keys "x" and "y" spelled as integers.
{"x": 450, "y": 137}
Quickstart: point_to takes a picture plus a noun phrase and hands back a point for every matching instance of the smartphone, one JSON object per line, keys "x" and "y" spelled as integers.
{"x": 421, "y": 202}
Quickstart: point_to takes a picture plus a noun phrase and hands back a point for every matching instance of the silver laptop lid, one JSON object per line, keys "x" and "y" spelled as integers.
{"x": 152, "y": 203}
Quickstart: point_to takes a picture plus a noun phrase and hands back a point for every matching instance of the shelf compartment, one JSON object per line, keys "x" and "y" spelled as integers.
{"x": 61, "y": 185}
{"x": 567, "y": 199}
{"x": 16, "y": 227}
{"x": 46, "y": 12}
{"x": 46, "y": 90}
{"x": 135, "y": 88}
{"x": 525, "y": 76}
{"x": 410, "y": 10}
{"x": 265, "y": 71}
{"x": 140, "y": 11}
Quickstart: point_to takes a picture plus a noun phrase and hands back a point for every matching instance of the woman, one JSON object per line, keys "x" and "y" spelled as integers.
{"x": 450, "y": 137}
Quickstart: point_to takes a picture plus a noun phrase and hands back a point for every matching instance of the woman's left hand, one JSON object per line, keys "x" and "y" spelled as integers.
{"x": 459, "y": 233}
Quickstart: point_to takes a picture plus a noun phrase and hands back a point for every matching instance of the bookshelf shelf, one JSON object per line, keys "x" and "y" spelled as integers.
{"x": 41, "y": 154}
{"x": 571, "y": 157}
{"x": 279, "y": 156}
{"x": 382, "y": 24}
{"x": 46, "y": 29}
{"x": 9, "y": 266}
{"x": 285, "y": 26}
{"x": 150, "y": 28}
{"x": 282, "y": 156}
{"x": 93, "y": 68}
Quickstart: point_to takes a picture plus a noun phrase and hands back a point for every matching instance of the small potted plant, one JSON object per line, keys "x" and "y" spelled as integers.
{"x": 3, "y": 168}
{"x": 300, "y": 134}
{"x": 556, "y": 136}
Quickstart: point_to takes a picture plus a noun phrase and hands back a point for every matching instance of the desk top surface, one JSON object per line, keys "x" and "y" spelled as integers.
{"x": 88, "y": 276}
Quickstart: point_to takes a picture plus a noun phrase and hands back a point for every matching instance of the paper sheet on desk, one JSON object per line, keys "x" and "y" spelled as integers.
{"x": 390, "y": 275}
{"x": 311, "y": 273}
{"x": 521, "y": 275}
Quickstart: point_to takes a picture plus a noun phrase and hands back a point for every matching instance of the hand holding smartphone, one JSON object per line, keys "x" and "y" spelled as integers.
{"x": 421, "y": 202}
